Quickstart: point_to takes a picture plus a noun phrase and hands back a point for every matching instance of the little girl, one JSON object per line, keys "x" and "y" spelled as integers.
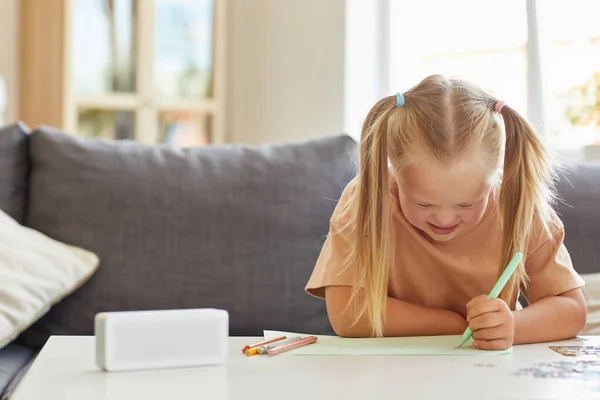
{"x": 452, "y": 184}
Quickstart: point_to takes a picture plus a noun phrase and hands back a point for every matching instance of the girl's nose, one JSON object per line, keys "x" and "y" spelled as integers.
{"x": 445, "y": 219}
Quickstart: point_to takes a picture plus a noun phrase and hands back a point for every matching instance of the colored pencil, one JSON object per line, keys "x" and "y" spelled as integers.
{"x": 262, "y": 343}
{"x": 290, "y": 346}
{"x": 267, "y": 347}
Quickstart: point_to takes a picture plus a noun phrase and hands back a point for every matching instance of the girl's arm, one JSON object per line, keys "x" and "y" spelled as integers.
{"x": 402, "y": 319}
{"x": 551, "y": 318}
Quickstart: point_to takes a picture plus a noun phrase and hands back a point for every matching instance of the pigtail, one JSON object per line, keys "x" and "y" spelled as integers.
{"x": 370, "y": 255}
{"x": 526, "y": 194}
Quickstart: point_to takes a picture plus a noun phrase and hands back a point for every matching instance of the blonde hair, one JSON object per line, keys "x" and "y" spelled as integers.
{"x": 444, "y": 119}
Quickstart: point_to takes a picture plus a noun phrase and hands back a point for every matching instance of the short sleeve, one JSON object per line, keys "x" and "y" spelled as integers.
{"x": 330, "y": 268}
{"x": 550, "y": 269}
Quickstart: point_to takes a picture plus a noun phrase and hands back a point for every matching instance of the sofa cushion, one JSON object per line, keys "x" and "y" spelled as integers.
{"x": 231, "y": 227}
{"x": 580, "y": 213}
{"x": 35, "y": 273}
{"x": 14, "y": 170}
{"x": 12, "y": 359}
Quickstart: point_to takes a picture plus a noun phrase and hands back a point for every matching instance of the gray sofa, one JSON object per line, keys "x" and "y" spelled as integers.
{"x": 232, "y": 227}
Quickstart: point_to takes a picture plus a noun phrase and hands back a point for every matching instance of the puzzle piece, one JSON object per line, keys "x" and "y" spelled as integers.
{"x": 574, "y": 351}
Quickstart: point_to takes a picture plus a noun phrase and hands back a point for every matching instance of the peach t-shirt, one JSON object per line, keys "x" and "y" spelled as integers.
{"x": 446, "y": 275}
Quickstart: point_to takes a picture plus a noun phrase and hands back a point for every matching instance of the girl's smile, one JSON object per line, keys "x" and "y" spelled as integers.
{"x": 439, "y": 230}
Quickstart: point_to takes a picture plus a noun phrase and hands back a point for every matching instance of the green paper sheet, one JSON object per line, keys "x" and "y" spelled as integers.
{"x": 392, "y": 346}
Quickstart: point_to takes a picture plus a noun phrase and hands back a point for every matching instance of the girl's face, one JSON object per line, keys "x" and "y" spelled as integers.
{"x": 443, "y": 202}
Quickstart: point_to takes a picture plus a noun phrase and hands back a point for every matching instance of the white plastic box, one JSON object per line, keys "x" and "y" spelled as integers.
{"x": 136, "y": 340}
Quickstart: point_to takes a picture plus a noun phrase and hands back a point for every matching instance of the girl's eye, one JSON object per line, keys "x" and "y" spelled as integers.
{"x": 424, "y": 205}
{"x": 466, "y": 205}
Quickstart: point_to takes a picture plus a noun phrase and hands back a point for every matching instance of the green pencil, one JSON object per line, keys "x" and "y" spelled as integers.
{"x": 510, "y": 269}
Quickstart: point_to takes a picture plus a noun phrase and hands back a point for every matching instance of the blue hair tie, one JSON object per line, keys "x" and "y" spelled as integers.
{"x": 399, "y": 99}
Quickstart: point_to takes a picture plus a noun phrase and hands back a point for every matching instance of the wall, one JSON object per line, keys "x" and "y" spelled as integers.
{"x": 285, "y": 69}
{"x": 9, "y": 13}
{"x": 285, "y": 75}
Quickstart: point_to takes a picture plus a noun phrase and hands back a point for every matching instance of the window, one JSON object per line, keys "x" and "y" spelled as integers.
{"x": 452, "y": 42}
{"x": 144, "y": 70}
{"x": 572, "y": 70}
{"x": 541, "y": 57}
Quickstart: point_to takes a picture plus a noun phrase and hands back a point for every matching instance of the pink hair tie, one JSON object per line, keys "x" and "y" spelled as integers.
{"x": 499, "y": 105}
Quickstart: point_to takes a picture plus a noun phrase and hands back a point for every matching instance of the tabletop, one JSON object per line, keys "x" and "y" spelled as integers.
{"x": 65, "y": 369}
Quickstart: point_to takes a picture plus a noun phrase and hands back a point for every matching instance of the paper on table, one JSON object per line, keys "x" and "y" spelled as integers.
{"x": 391, "y": 346}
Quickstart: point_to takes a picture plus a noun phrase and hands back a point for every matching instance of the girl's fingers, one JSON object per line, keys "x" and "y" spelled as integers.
{"x": 495, "y": 333}
{"x": 475, "y": 300}
{"x": 498, "y": 344}
{"x": 486, "y": 321}
{"x": 485, "y": 306}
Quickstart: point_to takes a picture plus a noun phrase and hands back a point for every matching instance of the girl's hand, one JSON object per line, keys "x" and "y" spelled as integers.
{"x": 492, "y": 323}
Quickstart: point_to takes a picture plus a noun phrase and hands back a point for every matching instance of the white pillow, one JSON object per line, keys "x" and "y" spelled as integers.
{"x": 36, "y": 272}
{"x": 591, "y": 292}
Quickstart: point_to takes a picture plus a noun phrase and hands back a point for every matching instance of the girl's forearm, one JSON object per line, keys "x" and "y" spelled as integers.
{"x": 550, "y": 319}
{"x": 402, "y": 319}
{"x": 405, "y": 319}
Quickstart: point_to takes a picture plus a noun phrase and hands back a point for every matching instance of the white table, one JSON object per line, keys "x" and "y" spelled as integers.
{"x": 65, "y": 370}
